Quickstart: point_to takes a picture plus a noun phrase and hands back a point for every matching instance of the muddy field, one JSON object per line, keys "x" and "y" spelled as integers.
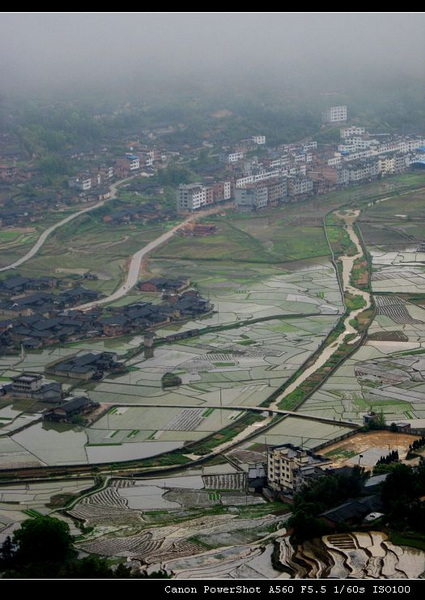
{"x": 365, "y": 449}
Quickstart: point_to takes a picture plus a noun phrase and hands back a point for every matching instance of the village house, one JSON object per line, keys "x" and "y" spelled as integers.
{"x": 352, "y": 512}
{"x": 162, "y": 284}
{"x": 85, "y": 366}
{"x": 127, "y": 165}
{"x": 12, "y": 217}
{"x": 81, "y": 182}
{"x": 71, "y": 407}
{"x": 8, "y": 172}
{"x": 33, "y": 386}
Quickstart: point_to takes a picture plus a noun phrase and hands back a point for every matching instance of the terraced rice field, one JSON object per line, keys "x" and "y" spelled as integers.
{"x": 367, "y": 555}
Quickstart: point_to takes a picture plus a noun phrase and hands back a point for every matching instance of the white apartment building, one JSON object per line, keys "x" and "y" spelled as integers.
{"x": 232, "y": 157}
{"x": 227, "y": 190}
{"x": 335, "y": 114}
{"x": 346, "y": 148}
{"x": 82, "y": 182}
{"x": 309, "y": 146}
{"x": 258, "y": 139}
{"x": 289, "y": 466}
{"x": 191, "y": 197}
{"x": 360, "y": 143}
{"x": 363, "y": 170}
{"x": 262, "y": 176}
{"x": 386, "y": 165}
{"x": 347, "y": 132}
{"x": 134, "y": 162}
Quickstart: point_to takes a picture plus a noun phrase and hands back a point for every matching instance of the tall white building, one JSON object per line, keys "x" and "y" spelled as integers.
{"x": 289, "y": 467}
{"x": 335, "y": 114}
{"x": 192, "y": 196}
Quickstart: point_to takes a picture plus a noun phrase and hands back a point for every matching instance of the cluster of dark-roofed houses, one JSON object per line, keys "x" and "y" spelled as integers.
{"x": 61, "y": 407}
{"x": 36, "y": 313}
{"x": 55, "y": 405}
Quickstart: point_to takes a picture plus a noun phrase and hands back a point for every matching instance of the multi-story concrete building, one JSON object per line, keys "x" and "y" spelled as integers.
{"x": 309, "y": 146}
{"x": 209, "y": 195}
{"x": 258, "y": 139}
{"x": 33, "y": 386}
{"x": 222, "y": 191}
{"x": 347, "y": 132}
{"x": 252, "y": 196}
{"x": 82, "y": 182}
{"x": 299, "y": 185}
{"x": 361, "y": 170}
{"x": 277, "y": 189}
{"x": 335, "y": 114}
{"x": 106, "y": 172}
{"x": 133, "y": 162}
{"x": 335, "y": 174}
{"x": 261, "y": 175}
{"x": 127, "y": 165}
{"x": 289, "y": 467}
{"x": 259, "y": 194}
{"x": 386, "y": 165}
{"x": 191, "y": 197}
{"x": 232, "y": 157}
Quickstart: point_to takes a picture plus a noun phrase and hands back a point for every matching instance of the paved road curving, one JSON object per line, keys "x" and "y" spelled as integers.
{"x": 43, "y": 237}
{"x": 134, "y": 268}
{"x": 137, "y": 258}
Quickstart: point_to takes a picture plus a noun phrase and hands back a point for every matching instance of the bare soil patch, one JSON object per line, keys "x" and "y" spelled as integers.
{"x": 342, "y": 453}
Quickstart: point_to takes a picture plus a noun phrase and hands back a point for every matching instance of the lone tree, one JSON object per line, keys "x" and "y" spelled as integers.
{"x": 43, "y": 539}
{"x": 170, "y": 380}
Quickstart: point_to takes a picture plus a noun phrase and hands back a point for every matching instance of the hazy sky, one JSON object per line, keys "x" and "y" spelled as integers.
{"x": 46, "y": 48}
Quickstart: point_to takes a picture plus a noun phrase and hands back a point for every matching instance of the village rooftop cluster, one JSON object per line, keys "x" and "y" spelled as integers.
{"x": 295, "y": 171}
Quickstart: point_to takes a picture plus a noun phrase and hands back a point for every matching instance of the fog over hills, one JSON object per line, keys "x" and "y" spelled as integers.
{"x": 54, "y": 51}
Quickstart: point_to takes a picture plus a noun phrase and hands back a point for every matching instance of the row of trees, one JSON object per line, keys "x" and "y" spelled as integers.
{"x": 389, "y": 458}
{"x": 417, "y": 444}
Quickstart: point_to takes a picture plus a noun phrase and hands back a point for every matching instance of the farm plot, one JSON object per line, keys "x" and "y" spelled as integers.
{"x": 52, "y": 446}
{"x": 241, "y": 366}
{"x": 160, "y": 544}
{"x": 73, "y": 247}
{"x": 234, "y": 367}
{"x": 13, "y": 455}
{"x": 17, "y": 502}
{"x": 389, "y": 337}
{"x": 361, "y": 555}
{"x": 262, "y": 291}
{"x": 350, "y": 396}
{"x": 130, "y": 499}
{"x": 234, "y": 562}
{"x": 104, "y": 453}
{"x": 12, "y": 418}
{"x": 402, "y": 279}
{"x": 132, "y": 425}
{"x": 396, "y": 309}
{"x": 297, "y": 431}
